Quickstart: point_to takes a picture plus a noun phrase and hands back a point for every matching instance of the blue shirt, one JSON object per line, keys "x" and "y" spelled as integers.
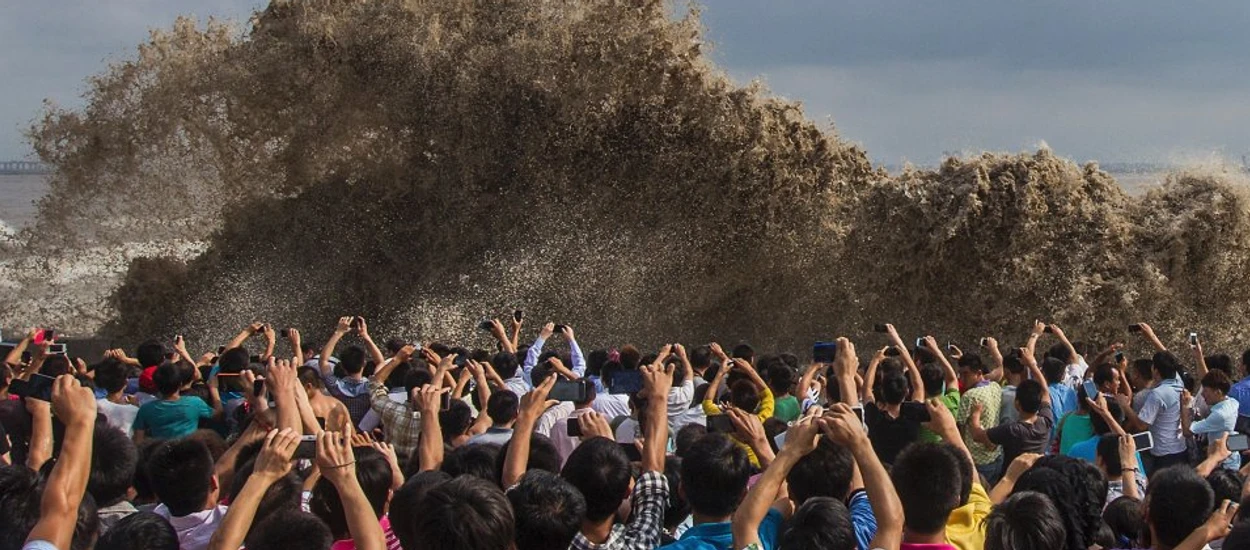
{"x": 1088, "y": 450}
{"x": 1062, "y": 402}
{"x": 1241, "y": 392}
{"x": 862, "y": 520}
{"x": 719, "y": 536}
{"x": 172, "y": 419}
{"x": 1222, "y": 420}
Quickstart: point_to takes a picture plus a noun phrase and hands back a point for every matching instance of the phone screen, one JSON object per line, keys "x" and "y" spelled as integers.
{"x": 1144, "y": 441}
{"x": 626, "y": 381}
{"x": 38, "y": 387}
{"x": 720, "y": 423}
{"x": 1238, "y": 442}
{"x": 1091, "y": 390}
{"x": 568, "y": 390}
{"x": 574, "y": 428}
{"x": 824, "y": 352}
{"x": 307, "y": 448}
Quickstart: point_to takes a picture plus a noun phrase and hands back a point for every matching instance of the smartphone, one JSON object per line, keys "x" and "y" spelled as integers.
{"x": 1144, "y": 441}
{"x": 720, "y": 423}
{"x": 631, "y": 451}
{"x": 445, "y": 404}
{"x": 920, "y": 343}
{"x": 824, "y": 352}
{"x": 284, "y": 332}
{"x": 559, "y": 329}
{"x": 912, "y": 410}
{"x": 1119, "y": 357}
{"x": 780, "y": 440}
{"x": 574, "y": 428}
{"x": 38, "y": 387}
{"x": 254, "y": 359}
{"x": 1134, "y": 328}
{"x": 221, "y": 350}
{"x": 355, "y": 325}
{"x": 859, "y": 413}
{"x": 983, "y": 341}
{"x": 518, "y": 316}
{"x": 626, "y": 381}
{"x": 568, "y": 390}
{"x": 258, "y": 387}
{"x": 307, "y": 448}
{"x": 1193, "y": 339}
{"x": 1238, "y": 442}
{"x": 880, "y": 328}
{"x": 1048, "y": 330}
{"x": 44, "y": 335}
{"x": 486, "y": 325}
{"x": 57, "y": 349}
{"x": 1091, "y": 389}
{"x": 229, "y": 382}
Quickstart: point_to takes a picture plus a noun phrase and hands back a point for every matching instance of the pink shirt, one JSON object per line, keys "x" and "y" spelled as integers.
{"x": 392, "y": 543}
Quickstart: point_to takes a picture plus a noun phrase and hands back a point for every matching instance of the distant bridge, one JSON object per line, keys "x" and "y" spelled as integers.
{"x": 22, "y": 167}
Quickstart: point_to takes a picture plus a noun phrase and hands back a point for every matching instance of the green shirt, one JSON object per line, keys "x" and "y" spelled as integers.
{"x": 787, "y": 409}
{"x": 172, "y": 419}
{"x": 1074, "y": 429}
{"x": 951, "y": 400}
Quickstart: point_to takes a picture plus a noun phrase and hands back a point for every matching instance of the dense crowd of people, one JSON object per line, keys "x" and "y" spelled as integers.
{"x": 541, "y": 446}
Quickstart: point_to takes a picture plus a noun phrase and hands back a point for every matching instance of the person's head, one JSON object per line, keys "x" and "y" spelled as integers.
{"x": 505, "y": 364}
{"x": 1178, "y": 500}
{"x": 600, "y": 470}
{"x": 113, "y": 461}
{"x": 1076, "y": 488}
{"x": 1123, "y": 516}
{"x": 700, "y": 358}
{"x": 353, "y": 360}
{"x": 1166, "y": 365}
{"x": 820, "y": 523}
{"x": 406, "y": 503}
{"x": 502, "y": 407}
{"x": 415, "y": 377}
{"x": 893, "y": 387}
{"x": 1107, "y": 454}
{"x": 1221, "y": 362}
{"x": 110, "y": 375}
{"x": 465, "y": 512}
{"x": 1225, "y": 485}
{"x": 629, "y": 357}
{"x": 455, "y": 422}
{"x": 474, "y": 460}
{"x": 933, "y": 377}
{"x": 744, "y": 395}
{"x": 543, "y": 456}
{"x": 181, "y": 473}
{"x": 595, "y": 360}
{"x": 168, "y": 379}
{"x": 373, "y": 472}
{"x": 780, "y": 378}
{"x": 1100, "y": 425}
{"x": 548, "y": 510}
{"x": 1215, "y": 386}
{"x": 1053, "y": 369}
{"x": 1025, "y": 521}
{"x": 928, "y": 481}
{"x": 824, "y": 472}
{"x": 150, "y": 353}
{"x": 289, "y": 529}
{"x": 971, "y": 369}
{"x": 743, "y": 351}
{"x": 285, "y": 494}
{"x": 310, "y": 380}
{"x": 139, "y": 531}
{"x": 1029, "y": 396}
{"x": 687, "y": 436}
{"x": 714, "y": 476}
{"x": 21, "y": 495}
{"x": 677, "y": 509}
{"x": 1239, "y": 537}
{"x": 1107, "y": 378}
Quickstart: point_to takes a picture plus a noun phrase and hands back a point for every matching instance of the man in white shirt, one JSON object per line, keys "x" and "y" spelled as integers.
{"x": 1161, "y": 414}
{"x": 117, "y": 407}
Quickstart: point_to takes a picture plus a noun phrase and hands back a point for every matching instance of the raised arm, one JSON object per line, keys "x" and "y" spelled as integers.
{"x": 845, "y": 365}
{"x": 40, "y": 448}
{"x": 271, "y": 340}
{"x": 244, "y": 334}
{"x": 344, "y": 325}
{"x": 801, "y": 440}
{"x": 63, "y": 492}
{"x": 297, "y": 346}
{"x": 997, "y": 356}
{"x": 904, "y": 353}
{"x": 505, "y": 343}
{"x": 952, "y": 379}
{"x": 841, "y": 425}
{"x": 532, "y": 406}
{"x": 15, "y": 355}
{"x": 430, "y": 443}
{"x": 273, "y": 462}
{"x": 1073, "y": 356}
{"x": 515, "y": 340}
{"x": 337, "y": 463}
{"x": 1036, "y": 373}
{"x": 283, "y": 384}
{"x": 374, "y": 352}
{"x": 531, "y": 357}
{"x": 870, "y": 377}
{"x": 1200, "y": 359}
{"x": 1149, "y": 334}
{"x": 1034, "y": 334}
{"x": 805, "y": 382}
{"x": 656, "y": 383}
{"x": 575, "y": 352}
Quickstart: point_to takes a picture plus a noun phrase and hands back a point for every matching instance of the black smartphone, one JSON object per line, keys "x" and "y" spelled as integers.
{"x": 1134, "y": 328}
{"x": 720, "y": 423}
{"x": 445, "y": 404}
{"x": 229, "y": 382}
{"x": 626, "y": 381}
{"x": 824, "y": 352}
{"x": 1193, "y": 339}
{"x": 1119, "y": 357}
{"x": 1238, "y": 442}
{"x": 983, "y": 342}
{"x": 574, "y": 428}
{"x": 859, "y": 413}
{"x": 254, "y": 359}
{"x": 355, "y": 325}
{"x": 559, "y": 329}
{"x": 307, "y": 448}
{"x": 880, "y": 328}
{"x": 631, "y": 451}
{"x": 284, "y": 332}
{"x": 1048, "y": 330}
{"x": 913, "y": 410}
{"x": 221, "y": 350}
{"x": 518, "y": 316}
{"x": 486, "y": 325}
{"x": 38, "y": 387}
{"x": 568, "y": 390}
{"x": 258, "y": 387}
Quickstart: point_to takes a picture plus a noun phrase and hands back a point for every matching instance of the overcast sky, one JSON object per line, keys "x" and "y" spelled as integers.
{"x": 1114, "y": 80}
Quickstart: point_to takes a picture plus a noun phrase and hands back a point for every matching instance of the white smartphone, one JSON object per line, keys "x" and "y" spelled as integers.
{"x": 1144, "y": 441}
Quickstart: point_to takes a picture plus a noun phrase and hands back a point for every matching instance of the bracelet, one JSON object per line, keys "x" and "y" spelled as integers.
{"x": 1133, "y": 469}
{"x": 340, "y": 466}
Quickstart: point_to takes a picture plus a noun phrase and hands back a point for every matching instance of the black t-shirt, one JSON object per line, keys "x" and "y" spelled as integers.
{"x": 890, "y": 435}
{"x": 1019, "y": 437}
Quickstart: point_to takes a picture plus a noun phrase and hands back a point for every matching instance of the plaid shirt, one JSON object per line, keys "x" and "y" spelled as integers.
{"x": 646, "y": 521}
{"x": 402, "y": 424}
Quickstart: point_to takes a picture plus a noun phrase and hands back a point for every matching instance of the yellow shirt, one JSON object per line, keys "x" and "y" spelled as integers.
{"x": 767, "y": 405}
{"x": 965, "y": 528}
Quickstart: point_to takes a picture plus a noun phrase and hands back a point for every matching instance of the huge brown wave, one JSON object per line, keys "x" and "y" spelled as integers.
{"x": 431, "y": 162}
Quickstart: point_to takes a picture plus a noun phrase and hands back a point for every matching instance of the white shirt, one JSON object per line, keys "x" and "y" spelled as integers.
{"x": 194, "y": 530}
{"x": 1162, "y": 410}
{"x": 120, "y": 416}
{"x": 611, "y": 405}
{"x": 565, "y": 444}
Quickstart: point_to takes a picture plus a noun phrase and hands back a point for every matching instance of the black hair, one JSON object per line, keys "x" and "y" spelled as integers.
{"x": 113, "y": 461}
{"x": 406, "y": 502}
{"x": 595, "y": 360}
{"x": 21, "y": 496}
{"x": 928, "y": 482}
{"x": 456, "y": 420}
{"x": 687, "y": 436}
{"x": 548, "y": 510}
{"x": 1166, "y": 364}
{"x": 416, "y": 377}
{"x": 142, "y": 482}
{"x": 1105, "y": 373}
{"x": 110, "y": 375}
{"x": 599, "y": 468}
{"x": 1025, "y": 521}
{"x": 677, "y": 509}
{"x": 139, "y": 531}
{"x": 1124, "y": 516}
{"x": 700, "y": 357}
{"x": 893, "y": 385}
{"x": 474, "y": 460}
{"x": 974, "y": 363}
{"x": 353, "y": 359}
{"x": 714, "y": 475}
{"x": 1053, "y": 370}
{"x": 1225, "y": 485}
{"x": 1109, "y": 449}
{"x": 1013, "y": 363}
{"x": 234, "y": 360}
{"x": 310, "y": 376}
{"x": 181, "y": 472}
{"x": 629, "y": 357}
{"x": 1178, "y": 501}
{"x": 289, "y": 529}
{"x": 932, "y": 377}
{"x": 820, "y": 523}
{"x": 465, "y": 512}
{"x": 1029, "y": 396}
{"x": 1143, "y": 367}
{"x": 285, "y": 494}
{"x": 150, "y": 353}
{"x": 744, "y": 395}
{"x": 1221, "y": 362}
{"x": 505, "y": 364}
{"x": 743, "y": 351}
{"x": 824, "y": 472}
{"x": 1217, "y": 380}
{"x": 1100, "y": 424}
{"x": 543, "y": 456}
{"x": 373, "y": 472}
{"x": 1076, "y": 488}
{"x": 168, "y": 379}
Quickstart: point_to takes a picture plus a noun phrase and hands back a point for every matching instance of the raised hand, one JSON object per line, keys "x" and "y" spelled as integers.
{"x": 429, "y": 398}
{"x": 282, "y": 376}
{"x": 335, "y": 458}
{"x": 1038, "y": 327}
{"x": 568, "y": 332}
{"x": 657, "y": 380}
{"x": 344, "y": 325}
{"x": 594, "y": 424}
{"x": 534, "y": 402}
{"x": 71, "y": 402}
{"x": 362, "y": 327}
{"x": 547, "y": 330}
{"x": 718, "y": 352}
{"x": 274, "y": 460}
